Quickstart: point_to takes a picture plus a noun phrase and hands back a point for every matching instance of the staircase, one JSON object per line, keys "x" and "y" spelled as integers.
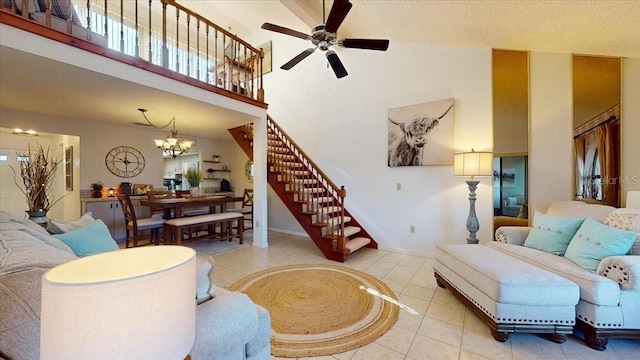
{"x": 313, "y": 199}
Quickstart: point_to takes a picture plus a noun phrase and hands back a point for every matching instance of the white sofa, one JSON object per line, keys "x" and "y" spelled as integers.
{"x": 229, "y": 325}
{"x": 609, "y": 304}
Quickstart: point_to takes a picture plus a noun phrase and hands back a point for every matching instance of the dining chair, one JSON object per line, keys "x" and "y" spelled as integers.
{"x": 247, "y": 208}
{"x": 158, "y": 194}
{"x": 135, "y": 225}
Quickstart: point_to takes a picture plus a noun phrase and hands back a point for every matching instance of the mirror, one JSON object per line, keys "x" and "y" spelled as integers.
{"x": 510, "y": 132}
{"x": 249, "y": 170}
{"x": 596, "y": 128}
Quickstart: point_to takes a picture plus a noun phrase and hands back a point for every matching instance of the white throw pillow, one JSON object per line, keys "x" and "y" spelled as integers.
{"x": 512, "y": 201}
{"x": 61, "y": 228}
{"x": 626, "y": 219}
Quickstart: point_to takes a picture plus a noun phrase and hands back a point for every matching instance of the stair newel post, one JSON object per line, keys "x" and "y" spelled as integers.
{"x": 342, "y": 193}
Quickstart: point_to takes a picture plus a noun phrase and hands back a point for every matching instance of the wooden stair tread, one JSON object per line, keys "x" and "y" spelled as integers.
{"x": 351, "y": 230}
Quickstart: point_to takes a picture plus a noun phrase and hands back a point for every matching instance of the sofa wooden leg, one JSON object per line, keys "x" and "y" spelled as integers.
{"x": 556, "y": 338}
{"x": 440, "y": 283}
{"x": 499, "y": 336}
{"x": 593, "y": 340}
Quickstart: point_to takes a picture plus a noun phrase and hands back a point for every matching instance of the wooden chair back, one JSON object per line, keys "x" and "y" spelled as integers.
{"x": 247, "y": 198}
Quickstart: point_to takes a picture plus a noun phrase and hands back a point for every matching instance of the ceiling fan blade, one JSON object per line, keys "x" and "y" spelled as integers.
{"x": 339, "y": 11}
{"x": 336, "y": 64}
{"x": 284, "y": 30}
{"x": 297, "y": 59}
{"x": 369, "y": 44}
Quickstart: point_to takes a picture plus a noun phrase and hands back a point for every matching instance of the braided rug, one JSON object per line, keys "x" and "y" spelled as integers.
{"x": 319, "y": 309}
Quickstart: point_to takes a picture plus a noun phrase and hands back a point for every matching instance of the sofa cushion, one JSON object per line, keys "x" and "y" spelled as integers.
{"x": 55, "y": 227}
{"x": 552, "y": 233}
{"x": 580, "y": 209}
{"x": 626, "y": 219}
{"x": 93, "y": 238}
{"x": 595, "y": 289}
{"x": 595, "y": 241}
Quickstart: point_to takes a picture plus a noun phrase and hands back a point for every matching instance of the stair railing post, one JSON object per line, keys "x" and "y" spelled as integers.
{"x": 341, "y": 240}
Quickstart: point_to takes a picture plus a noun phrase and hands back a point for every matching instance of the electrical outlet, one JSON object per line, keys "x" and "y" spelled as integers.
{"x": 412, "y": 229}
{"x": 398, "y": 186}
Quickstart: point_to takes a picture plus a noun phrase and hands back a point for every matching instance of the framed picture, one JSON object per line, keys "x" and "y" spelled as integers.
{"x": 508, "y": 178}
{"x": 68, "y": 168}
{"x": 141, "y": 189}
{"x": 421, "y": 134}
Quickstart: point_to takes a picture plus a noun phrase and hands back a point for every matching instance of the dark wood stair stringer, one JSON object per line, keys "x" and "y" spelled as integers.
{"x": 313, "y": 199}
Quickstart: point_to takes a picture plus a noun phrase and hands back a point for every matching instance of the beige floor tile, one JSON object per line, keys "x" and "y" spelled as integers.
{"x": 454, "y": 316}
{"x": 626, "y": 349}
{"x": 441, "y": 331}
{"x": 409, "y": 321}
{"x": 534, "y": 347}
{"x": 416, "y": 304}
{"x": 473, "y": 323}
{"x": 425, "y": 348}
{"x": 397, "y": 339}
{"x": 418, "y": 292}
{"x": 376, "y": 351}
{"x": 486, "y": 345}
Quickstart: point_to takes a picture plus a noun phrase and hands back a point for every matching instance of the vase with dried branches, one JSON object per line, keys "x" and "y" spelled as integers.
{"x": 37, "y": 171}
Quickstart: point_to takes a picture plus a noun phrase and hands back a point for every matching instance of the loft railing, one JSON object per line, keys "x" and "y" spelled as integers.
{"x": 158, "y": 32}
{"x": 312, "y": 186}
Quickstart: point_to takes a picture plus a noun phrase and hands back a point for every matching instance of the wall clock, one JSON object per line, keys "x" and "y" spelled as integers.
{"x": 124, "y": 161}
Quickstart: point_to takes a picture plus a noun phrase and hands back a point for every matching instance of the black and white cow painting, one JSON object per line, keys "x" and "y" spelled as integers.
{"x": 421, "y": 134}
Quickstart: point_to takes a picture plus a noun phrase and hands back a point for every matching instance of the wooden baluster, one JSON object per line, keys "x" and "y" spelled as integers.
{"x": 215, "y": 57}
{"x": 150, "y": 36}
{"x": 165, "y": 48}
{"x": 177, "y": 40}
{"x": 208, "y": 78}
{"x": 88, "y": 20}
{"x": 106, "y": 20}
{"x": 69, "y": 8}
{"x": 137, "y": 40}
{"x": 121, "y": 26}
{"x": 198, "y": 49}
{"x": 47, "y": 13}
{"x": 188, "y": 44}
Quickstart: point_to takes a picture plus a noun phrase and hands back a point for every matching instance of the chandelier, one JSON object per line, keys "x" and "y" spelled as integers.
{"x": 172, "y": 145}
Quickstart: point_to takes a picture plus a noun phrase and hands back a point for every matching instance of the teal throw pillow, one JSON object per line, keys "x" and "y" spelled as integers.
{"x": 89, "y": 239}
{"x": 552, "y": 234}
{"x": 595, "y": 241}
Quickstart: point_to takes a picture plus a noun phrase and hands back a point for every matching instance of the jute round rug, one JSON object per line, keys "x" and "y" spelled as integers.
{"x": 319, "y": 309}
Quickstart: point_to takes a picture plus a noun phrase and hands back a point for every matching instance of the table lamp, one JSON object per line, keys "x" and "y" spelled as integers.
{"x": 136, "y": 303}
{"x": 473, "y": 164}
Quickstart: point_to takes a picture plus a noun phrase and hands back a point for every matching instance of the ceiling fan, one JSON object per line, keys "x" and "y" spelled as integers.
{"x": 324, "y": 36}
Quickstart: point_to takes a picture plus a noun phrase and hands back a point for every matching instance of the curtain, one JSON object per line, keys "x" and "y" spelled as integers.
{"x": 578, "y": 146}
{"x": 606, "y": 156}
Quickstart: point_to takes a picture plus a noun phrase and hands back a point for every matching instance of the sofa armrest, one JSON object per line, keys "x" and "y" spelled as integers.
{"x": 512, "y": 234}
{"x": 205, "y": 290}
{"x": 623, "y": 269}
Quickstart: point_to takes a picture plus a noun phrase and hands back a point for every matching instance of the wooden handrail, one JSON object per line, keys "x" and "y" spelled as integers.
{"x": 123, "y": 30}
{"x": 314, "y": 165}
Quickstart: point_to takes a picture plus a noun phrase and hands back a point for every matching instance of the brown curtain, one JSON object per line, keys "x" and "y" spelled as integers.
{"x": 578, "y": 147}
{"x": 606, "y": 155}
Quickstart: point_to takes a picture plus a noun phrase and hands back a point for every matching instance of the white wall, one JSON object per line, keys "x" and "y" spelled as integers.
{"x": 342, "y": 125}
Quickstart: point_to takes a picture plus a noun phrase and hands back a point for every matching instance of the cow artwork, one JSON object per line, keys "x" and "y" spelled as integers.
{"x": 421, "y": 134}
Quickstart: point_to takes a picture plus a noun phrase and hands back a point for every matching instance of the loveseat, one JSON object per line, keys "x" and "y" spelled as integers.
{"x": 228, "y": 324}
{"x": 609, "y": 304}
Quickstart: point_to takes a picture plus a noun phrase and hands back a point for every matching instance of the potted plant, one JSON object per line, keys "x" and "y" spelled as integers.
{"x": 216, "y": 158}
{"x": 97, "y": 189}
{"x": 37, "y": 171}
{"x": 194, "y": 177}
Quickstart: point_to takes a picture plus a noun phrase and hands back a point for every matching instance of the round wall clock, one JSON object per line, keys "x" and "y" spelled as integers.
{"x": 124, "y": 161}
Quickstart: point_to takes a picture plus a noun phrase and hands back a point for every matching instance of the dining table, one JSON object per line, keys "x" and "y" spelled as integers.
{"x": 173, "y": 207}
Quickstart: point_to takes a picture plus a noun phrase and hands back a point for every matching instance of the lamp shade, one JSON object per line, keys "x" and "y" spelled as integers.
{"x": 473, "y": 164}
{"x": 134, "y": 303}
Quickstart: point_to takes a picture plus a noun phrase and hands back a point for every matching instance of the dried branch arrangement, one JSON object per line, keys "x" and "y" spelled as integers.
{"x": 37, "y": 171}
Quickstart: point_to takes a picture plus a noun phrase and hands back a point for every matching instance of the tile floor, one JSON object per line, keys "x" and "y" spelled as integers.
{"x": 444, "y": 330}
